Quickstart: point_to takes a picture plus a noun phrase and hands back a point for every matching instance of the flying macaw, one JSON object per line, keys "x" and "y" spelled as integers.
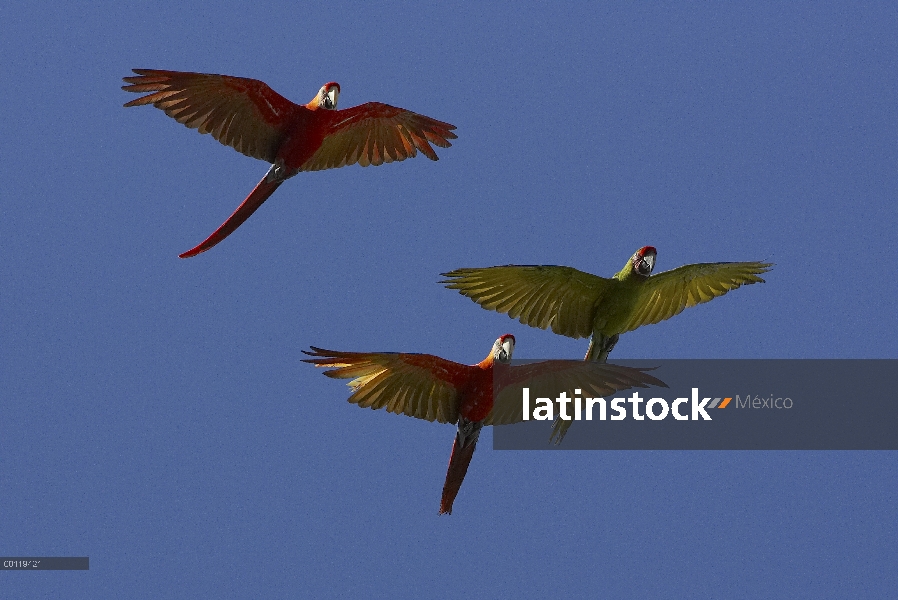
{"x": 435, "y": 389}
{"x": 255, "y": 120}
{"x": 578, "y": 304}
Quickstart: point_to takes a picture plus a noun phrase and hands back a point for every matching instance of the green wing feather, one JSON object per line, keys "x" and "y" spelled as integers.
{"x": 667, "y": 294}
{"x": 562, "y": 298}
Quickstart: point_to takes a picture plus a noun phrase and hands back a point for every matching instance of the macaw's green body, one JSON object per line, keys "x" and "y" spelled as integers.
{"x": 576, "y": 304}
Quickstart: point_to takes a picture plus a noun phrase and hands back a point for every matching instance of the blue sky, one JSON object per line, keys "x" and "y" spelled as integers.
{"x": 155, "y": 413}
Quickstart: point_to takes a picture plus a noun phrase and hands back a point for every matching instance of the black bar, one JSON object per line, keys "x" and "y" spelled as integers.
{"x": 44, "y": 563}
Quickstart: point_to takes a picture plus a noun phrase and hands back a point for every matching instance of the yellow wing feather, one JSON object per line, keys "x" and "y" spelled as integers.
{"x": 418, "y": 385}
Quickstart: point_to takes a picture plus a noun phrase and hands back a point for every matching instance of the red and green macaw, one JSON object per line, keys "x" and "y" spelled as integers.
{"x": 435, "y": 389}
{"x": 578, "y": 304}
{"x": 255, "y": 120}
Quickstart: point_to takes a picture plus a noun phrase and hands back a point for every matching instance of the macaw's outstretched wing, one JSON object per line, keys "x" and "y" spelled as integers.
{"x": 562, "y": 298}
{"x": 242, "y": 113}
{"x": 375, "y": 133}
{"x": 547, "y": 379}
{"x": 669, "y": 293}
{"x": 418, "y": 385}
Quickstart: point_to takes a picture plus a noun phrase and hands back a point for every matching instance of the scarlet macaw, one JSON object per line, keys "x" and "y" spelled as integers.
{"x": 578, "y": 304}
{"x": 255, "y": 120}
{"x": 435, "y": 389}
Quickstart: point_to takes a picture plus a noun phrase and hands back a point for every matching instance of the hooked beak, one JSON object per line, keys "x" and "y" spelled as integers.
{"x": 645, "y": 264}
{"x": 505, "y": 351}
{"x": 649, "y": 260}
{"x": 331, "y": 98}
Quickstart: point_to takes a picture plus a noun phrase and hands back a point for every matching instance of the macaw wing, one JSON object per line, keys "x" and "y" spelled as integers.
{"x": 375, "y": 133}
{"x": 242, "y": 113}
{"x": 549, "y": 378}
{"x": 562, "y": 298}
{"x": 417, "y": 385}
{"x": 669, "y": 293}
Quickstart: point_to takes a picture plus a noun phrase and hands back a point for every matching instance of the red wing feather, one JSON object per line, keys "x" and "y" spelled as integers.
{"x": 375, "y": 133}
{"x": 242, "y": 113}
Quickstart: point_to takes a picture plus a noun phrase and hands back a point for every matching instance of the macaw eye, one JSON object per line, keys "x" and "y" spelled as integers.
{"x": 327, "y": 102}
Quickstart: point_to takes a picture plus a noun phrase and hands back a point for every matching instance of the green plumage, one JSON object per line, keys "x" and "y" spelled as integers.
{"x": 578, "y": 305}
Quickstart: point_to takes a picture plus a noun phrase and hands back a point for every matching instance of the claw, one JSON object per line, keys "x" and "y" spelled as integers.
{"x": 559, "y": 430}
{"x": 277, "y": 172}
{"x": 609, "y": 344}
{"x": 468, "y": 431}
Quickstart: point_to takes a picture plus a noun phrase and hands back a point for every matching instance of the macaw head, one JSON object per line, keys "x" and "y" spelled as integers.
{"x": 643, "y": 261}
{"x": 327, "y": 96}
{"x": 503, "y": 349}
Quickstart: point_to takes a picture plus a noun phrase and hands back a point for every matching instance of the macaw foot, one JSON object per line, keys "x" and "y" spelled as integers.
{"x": 559, "y": 430}
{"x": 609, "y": 344}
{"x": 468, "y": 431}
{"x": 600, "y": 347}
{"x": 277, "y": 172}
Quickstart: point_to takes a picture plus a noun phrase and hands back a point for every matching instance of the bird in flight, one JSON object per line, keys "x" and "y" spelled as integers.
{"x": 577, "y": 304}
{"x": 471, "y": 396}
{"x": 250, "y": 117}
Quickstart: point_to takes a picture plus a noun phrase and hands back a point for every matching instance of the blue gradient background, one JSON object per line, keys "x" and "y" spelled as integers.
{"x": 154, "y": 414}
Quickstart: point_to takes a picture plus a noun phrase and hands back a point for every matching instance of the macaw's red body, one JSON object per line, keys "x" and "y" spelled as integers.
{"x": 255, "y": 120}
{"x": 435, "y": 389}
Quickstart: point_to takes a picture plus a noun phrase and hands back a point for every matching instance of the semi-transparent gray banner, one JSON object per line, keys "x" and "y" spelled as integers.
{"x": 44, "y": 563}
{"x": 714, "y": 405}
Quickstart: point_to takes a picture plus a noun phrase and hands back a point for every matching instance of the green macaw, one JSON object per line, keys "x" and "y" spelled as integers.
{"x": 578, "y": 304}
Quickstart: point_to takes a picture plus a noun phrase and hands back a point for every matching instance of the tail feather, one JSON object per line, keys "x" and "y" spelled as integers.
{"x": 458, "y": 468}
{"x": 260, "y": 194}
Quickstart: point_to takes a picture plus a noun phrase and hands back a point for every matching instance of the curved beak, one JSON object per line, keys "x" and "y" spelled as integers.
{"x": 505, "y": 351}
{"x": 332, "y": 96}
{"x": 649, "y": 260}
{"x": 643, "y": 265}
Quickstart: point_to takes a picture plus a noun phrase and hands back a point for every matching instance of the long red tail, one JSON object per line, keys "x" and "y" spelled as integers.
{"x": 255, "y": 199}
{"x": 458, "y": 468}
